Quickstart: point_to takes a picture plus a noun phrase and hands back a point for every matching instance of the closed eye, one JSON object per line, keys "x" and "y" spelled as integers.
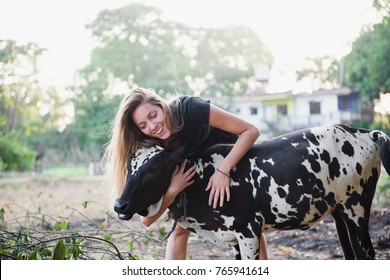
{"x": 141, "y": 126}
{"x": 152, "y": 170}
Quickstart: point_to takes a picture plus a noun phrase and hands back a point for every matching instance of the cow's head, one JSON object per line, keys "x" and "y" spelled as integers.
{"x": 149, "y": 174}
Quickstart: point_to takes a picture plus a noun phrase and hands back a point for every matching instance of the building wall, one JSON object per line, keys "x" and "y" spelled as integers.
{"x": 303, "y": 110}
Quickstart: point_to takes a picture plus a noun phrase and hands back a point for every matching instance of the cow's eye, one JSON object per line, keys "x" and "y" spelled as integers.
{"x": 152, "y": 170}
{"x": 149, "y": 171}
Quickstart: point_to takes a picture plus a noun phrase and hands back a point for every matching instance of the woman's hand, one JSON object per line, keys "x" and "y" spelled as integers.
{"x": 220, "y": 185}
{"x": 181, "y": 179}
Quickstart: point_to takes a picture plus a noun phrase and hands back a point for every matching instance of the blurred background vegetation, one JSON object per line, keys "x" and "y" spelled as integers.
{"x": 134, "y": 45}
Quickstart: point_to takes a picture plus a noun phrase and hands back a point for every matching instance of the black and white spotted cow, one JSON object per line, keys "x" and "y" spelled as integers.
{"x": 290, "y": 182}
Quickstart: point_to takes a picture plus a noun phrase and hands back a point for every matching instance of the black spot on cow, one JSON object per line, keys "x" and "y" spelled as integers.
{"x": 353, "y": 200}
{"x": 314, "y": 164}
{"x": 325, "y": 156}
{"x": 281, "y": 192}
{"x": 359, "y": 168}
{"x": 348, "y": 149}
{"x": 321, "y": 206}
{"x": 282, "y": 216}
{"x": 334, "y": 168}
{"x": 265, "y": 182}
{"x": 330, "y": 199}
{"x": 303, "y": 207}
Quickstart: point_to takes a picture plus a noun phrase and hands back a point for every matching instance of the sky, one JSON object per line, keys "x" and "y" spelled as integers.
{"x": 292, "y": 30}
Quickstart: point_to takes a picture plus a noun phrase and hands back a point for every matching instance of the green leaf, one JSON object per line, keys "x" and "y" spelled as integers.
{"x": 2, "y": 212}
{"x": 162, "y": 231}
{"x": 75, "y": 253}
{"x": 63, "y": 225}
{"x": 59, "y": 251}
{"x": 107, "y": 236}
{"x": 35, "y": 255}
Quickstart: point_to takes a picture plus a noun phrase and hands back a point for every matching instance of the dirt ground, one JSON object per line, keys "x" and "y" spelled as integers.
{"x": 87, "y": 207}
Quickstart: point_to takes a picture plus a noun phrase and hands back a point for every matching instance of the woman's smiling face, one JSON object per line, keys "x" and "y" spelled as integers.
{"x": 151, "y": 120}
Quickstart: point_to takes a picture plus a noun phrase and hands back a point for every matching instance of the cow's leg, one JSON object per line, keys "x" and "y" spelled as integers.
{"x": 359, "y": 238}
{"x": 342, "y": 233}
{"x": 249, "y": 247}
{"x": 366, "y": 244}
{"x": 237, "y": 253}
{"x": 356, "y": 216}
{"x": 370, "y": 251}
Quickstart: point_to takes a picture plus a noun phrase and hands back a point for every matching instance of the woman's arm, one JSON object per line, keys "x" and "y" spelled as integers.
{"x": 219, "y": 183}
{"x": 180, "y": 180}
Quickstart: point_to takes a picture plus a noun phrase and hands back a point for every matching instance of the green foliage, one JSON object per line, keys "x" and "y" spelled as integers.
{"x": 367, "y": 66}
{"x": 13, "y": 155}
{"x": 323, "y": 72}
{"x": 137, "y": 46}
{"x": 382, "y": 194}
{"x": 23, "y": 245}
{"x": 3, "y": 165}
{"x": 20, "y": 92}
{"x": 162, "y": 231}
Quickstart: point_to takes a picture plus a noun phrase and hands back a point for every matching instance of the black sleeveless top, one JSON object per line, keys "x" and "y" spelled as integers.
{"x": 197, "y": 133}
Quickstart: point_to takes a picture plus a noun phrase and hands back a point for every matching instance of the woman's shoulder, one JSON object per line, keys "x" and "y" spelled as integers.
{"x": 193, "y": 102}
{"x": 194, "y": 109}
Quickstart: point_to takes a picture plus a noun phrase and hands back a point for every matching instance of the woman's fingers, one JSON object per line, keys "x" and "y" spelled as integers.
{"x": 219, "y": 190}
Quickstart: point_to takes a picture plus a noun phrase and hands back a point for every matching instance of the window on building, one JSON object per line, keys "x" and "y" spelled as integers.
{"x": 315, "y": 108}
{"x": 282, "y": 109}
{"x": 253, "y": 111}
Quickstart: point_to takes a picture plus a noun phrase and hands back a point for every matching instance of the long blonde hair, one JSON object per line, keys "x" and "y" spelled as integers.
{"x": 126, "y": 137}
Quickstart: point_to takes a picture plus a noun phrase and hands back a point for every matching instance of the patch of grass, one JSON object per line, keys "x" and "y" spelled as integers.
{"x": 63, "y": 172}
{"x": 14, "y": 185}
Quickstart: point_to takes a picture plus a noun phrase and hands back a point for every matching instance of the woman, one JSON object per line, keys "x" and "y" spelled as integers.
{"x": 145, "y": 119}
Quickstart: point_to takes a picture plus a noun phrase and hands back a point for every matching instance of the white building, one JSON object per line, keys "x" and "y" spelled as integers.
{"x": 283, "y": 112}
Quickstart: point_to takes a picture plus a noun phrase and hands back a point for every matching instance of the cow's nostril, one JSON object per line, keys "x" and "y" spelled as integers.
{"x": 120, "y": 206}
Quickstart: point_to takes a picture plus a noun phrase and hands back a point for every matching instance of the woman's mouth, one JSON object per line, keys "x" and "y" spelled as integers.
{"x": 158, "y": 132}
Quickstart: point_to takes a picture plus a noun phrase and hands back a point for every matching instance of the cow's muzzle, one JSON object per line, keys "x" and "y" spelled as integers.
{"x": 120, "y": 207}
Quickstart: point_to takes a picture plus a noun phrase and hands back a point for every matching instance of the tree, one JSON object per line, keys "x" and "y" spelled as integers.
{"x": 136, "y": 46}
{"x": 18, "y": 83}
{"x": 225, "y": 59}
{"x": 28, "y": 109}
{"x": 367, "y": 66}
{"x": 323, "y": 72}
{"x": 18, "y": 94}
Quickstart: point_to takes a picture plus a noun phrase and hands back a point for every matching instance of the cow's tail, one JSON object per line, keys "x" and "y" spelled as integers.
{"x": 384, "y": 141}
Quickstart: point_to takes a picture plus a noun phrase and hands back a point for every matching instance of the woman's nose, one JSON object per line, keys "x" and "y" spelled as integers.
{"x": 153, "y": 127}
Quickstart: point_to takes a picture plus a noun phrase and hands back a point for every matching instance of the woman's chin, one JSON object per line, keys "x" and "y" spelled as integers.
{"x": 164, "y": 135}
